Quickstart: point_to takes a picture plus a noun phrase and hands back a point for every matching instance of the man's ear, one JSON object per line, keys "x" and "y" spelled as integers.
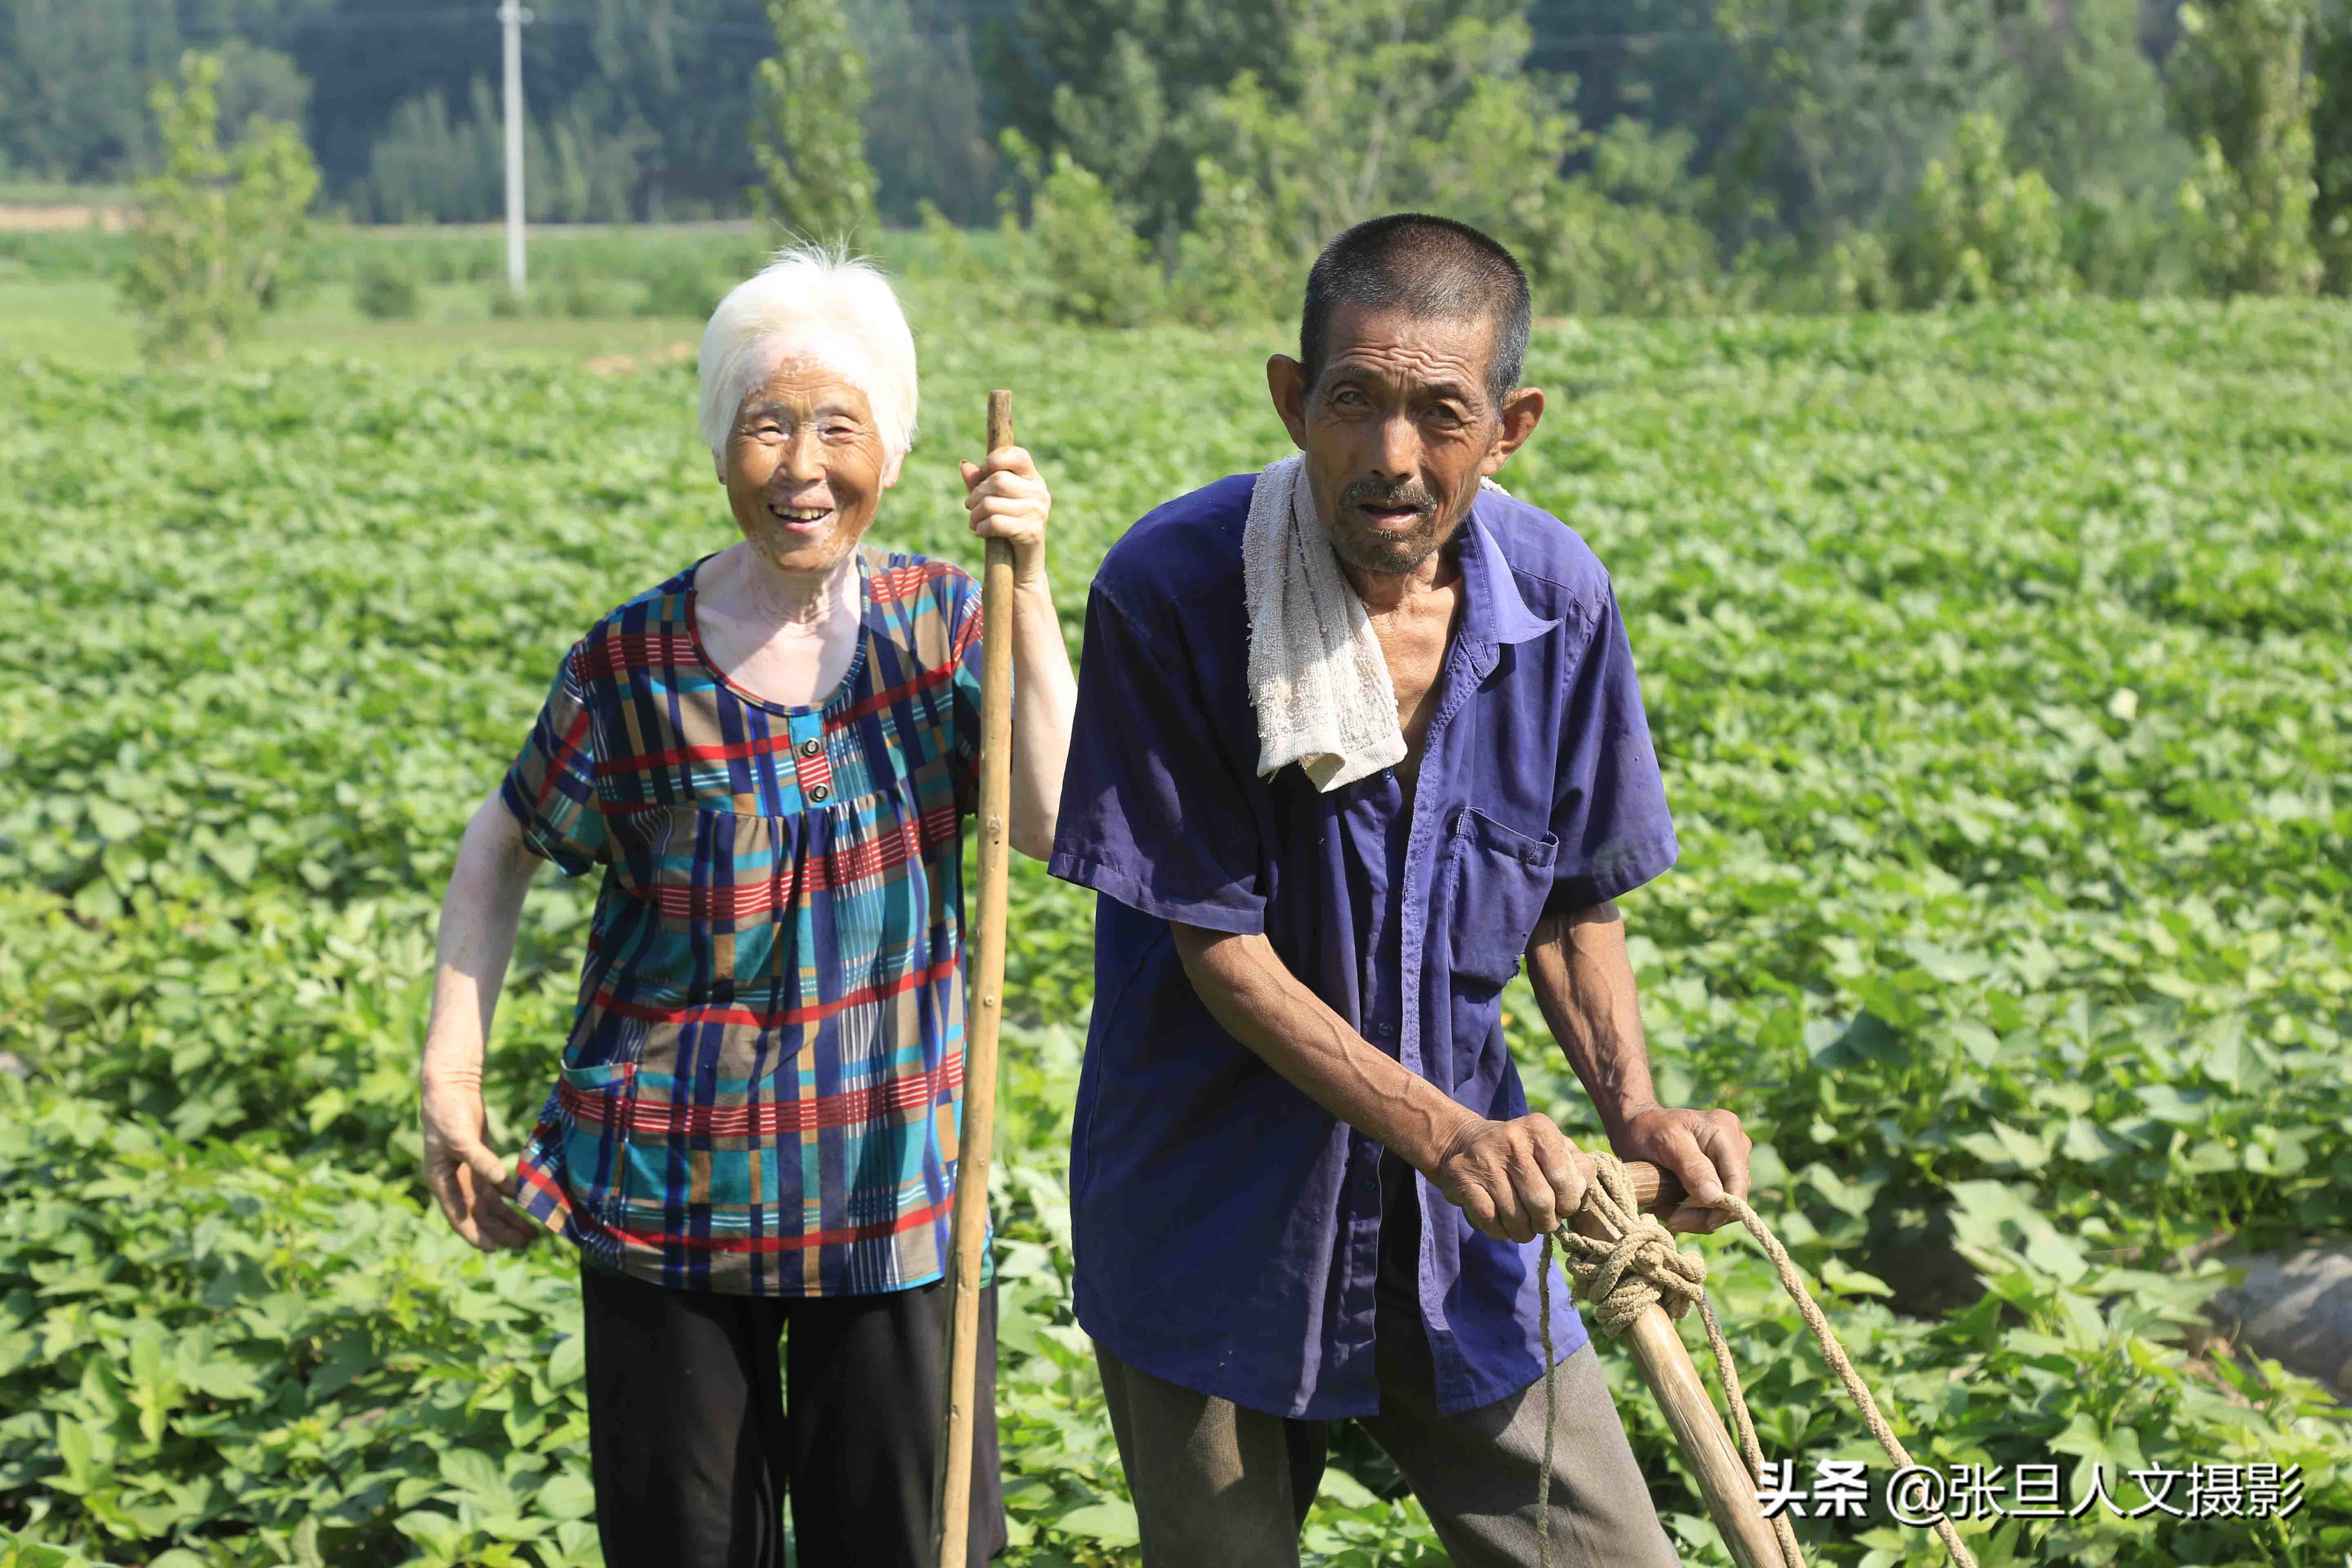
{"x": 1522, "y": 412}
{"x": 1286, "y": 382}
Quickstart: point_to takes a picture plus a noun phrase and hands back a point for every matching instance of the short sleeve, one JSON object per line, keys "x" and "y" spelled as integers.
{"x": 1609, "y": 812}
{"x": 1151, "y": 813}
{"x": 551, "y": 787}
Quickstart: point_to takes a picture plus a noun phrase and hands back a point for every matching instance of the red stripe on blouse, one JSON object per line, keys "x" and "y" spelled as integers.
{"x": 815, "y": 873}
{"x": 765, "y": 1018}
{"x": 670, "y": 1119}
{"x": 913, "y": 1219}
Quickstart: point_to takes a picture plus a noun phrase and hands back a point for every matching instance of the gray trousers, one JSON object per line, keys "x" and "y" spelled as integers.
{"x": 1217, "y": 1486}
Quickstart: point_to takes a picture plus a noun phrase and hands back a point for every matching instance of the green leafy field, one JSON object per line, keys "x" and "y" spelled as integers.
{"x": 1996, "y": 661}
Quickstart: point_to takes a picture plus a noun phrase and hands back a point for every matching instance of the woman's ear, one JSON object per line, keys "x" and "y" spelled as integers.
{"x": 719, "y": 464}
{"x": 890, "y": 468}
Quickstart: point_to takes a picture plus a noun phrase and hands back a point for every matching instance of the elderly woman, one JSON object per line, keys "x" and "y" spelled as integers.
{"x": 752, "y": 1135}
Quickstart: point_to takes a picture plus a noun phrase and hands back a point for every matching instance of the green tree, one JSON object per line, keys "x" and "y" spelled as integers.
{"x": 926, "y": 133}
{"x": 430, "y": 165}
{"x": 256, "y": 80}
{"x": 1080, "y": 255}
{"x": 2090, "y": 110}
{"x": 1364, "y": 126}
{"x": 219, "y": 226}
{"x": 1428, "y": 104}
{"x": 1626, "y": 236}
{"x": 1980, "y": 233}
{"x": 1230, "y": 266}
{"x": 2089, "y": 113}
{"x": 1670, "y": 67}
{"x": 2239, "y": 85}
{"x": 808, "y": 124}
{"x": 70, "y": 84}
{"x": 1854, "y": 96}
{"x": 1120, "y": 86}
{"x": 667, "y": 81}
{"x": 2331, "y": 135}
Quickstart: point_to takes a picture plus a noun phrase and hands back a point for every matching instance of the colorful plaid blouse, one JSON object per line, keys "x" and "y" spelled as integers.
{"x": 763, "y": 1082}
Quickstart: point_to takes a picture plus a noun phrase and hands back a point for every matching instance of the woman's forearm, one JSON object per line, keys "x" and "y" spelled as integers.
{"x": 479, "y": 916}
{"x": 1044, "y": 696}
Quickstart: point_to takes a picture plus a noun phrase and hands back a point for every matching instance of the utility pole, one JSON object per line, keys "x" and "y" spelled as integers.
{"x": 512, "y": 15}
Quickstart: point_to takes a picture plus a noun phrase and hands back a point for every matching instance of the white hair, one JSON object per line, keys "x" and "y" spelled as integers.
{"x": 815, "y": 302}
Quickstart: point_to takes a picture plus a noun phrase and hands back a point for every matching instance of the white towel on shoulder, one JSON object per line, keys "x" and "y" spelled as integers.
{"x": 1317, "y": 675}
{"x": 1316, "y": 672}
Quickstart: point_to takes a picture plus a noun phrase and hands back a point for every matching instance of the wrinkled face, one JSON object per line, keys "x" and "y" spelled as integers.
{"x": 1397, "y": 434}
{"x": 805, "y": 468}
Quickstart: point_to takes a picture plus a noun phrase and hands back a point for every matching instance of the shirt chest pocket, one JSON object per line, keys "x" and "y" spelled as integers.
{"x": 1499, "y": 880}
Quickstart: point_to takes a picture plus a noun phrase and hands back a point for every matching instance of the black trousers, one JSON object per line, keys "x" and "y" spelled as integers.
{"x": 697, "y": 1428}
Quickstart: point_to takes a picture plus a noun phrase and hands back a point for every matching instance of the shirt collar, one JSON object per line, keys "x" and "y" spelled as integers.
{"x": 1496, "y": 613}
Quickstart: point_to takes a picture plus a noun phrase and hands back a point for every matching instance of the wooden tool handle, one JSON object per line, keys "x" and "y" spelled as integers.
{"x": 1658, "y": 1191}
{"x": 986, "y": 959}
{"x": 1000, "y": 421}
{"x": 1667, "y": 1367}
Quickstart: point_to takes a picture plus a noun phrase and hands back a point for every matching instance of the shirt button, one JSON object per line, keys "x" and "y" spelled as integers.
{"x": 821, "y": 794}
{"x": 1384, "y": 1028}
{"x": 810, "y": 748}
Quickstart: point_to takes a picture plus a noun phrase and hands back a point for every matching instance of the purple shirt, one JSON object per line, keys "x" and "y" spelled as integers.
{"x": 1227, "y": 1229}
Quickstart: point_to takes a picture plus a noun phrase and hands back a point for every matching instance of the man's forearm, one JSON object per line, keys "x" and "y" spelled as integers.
{"x": 1252, "y": 992}
{"x": 1583, "y": 982}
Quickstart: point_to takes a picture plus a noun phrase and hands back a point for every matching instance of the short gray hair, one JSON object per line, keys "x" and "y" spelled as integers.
{"x": 819, "y": 303}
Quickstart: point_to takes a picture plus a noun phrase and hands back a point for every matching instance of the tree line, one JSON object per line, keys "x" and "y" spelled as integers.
{"x": 1151, "y": 157}
{"x": 636, "y": 109}
{"x": 1661, "y": 154}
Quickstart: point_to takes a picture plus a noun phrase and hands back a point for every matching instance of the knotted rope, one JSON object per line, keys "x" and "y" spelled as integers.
{"x": 1634, "y": 1263}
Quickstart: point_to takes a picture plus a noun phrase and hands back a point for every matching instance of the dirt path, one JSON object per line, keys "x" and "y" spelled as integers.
{"x": 22, "y": 219}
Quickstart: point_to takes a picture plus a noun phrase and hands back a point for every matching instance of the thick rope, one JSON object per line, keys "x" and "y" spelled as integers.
{"x": 1636, "y": 1265}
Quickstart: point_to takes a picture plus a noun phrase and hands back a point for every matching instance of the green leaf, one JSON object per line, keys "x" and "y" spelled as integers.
{"x": 566, "y": 1495}
{"x": 1846, "y": 1196}
{"x": 76, "y": 1449}
{"x": 2165, "y": 1102}
{"x": 477, "y": 1475}
{"x": 1848, "y": 1281}
{"x": 112, "y": 822}
{"x": 2088, "y": 1142}
{"x": 2003, "y": 1147}
{"x": 236, "y": 857}
{"x": 1343, "y": 1491}
{"x": 1111, "y": 1523}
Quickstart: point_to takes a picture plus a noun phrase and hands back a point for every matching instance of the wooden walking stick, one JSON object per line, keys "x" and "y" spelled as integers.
{"x": 987, "y": 960}
{"x": 1722, "y": 1477}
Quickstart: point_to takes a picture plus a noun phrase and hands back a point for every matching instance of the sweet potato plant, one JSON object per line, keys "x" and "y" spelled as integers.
{"x": 1997, "y": 661}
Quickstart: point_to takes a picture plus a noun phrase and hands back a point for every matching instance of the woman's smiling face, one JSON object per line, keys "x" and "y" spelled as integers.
{"x": 805, "y": 467}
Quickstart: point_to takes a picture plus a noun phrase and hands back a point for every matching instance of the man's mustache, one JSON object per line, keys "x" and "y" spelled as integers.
{"x": 1371, "y": 492}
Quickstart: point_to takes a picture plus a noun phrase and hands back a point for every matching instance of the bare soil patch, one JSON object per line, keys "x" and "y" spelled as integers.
{"x": 26, "y": 219}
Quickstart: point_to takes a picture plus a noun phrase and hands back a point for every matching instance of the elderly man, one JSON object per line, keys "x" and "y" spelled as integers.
{"x": 752, "y": 1134}
{"x": 1355, "y": 736}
